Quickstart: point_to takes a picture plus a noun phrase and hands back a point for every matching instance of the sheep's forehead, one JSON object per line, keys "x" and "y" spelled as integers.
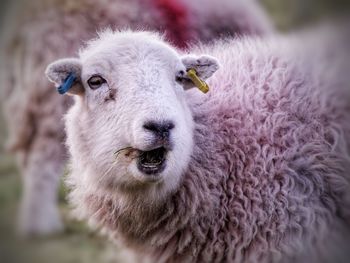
{"x": 130, "y": 51}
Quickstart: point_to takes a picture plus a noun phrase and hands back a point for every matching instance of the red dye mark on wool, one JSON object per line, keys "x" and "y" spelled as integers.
{"x": 175, "y": 15}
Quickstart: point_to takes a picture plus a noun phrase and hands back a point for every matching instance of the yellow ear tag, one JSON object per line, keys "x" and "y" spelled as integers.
{"x": 200, "y": 84}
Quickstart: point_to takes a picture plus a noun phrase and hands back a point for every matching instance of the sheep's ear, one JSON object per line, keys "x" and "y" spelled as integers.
{"x": 205, "y": 66}
{"x": 66, "y": 74}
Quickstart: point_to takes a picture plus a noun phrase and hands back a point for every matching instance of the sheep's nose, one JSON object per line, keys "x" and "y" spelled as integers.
{"x": 161, "y": 129}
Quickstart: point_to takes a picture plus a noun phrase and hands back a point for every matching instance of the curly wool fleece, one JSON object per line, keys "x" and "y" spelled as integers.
{"x": 268, "y": 179}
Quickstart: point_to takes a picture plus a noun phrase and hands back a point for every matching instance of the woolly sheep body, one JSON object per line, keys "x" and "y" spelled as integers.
{"x": 268, "y": 179}
{"x": 33, "y": 111}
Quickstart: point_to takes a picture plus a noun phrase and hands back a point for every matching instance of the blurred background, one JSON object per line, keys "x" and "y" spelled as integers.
{"x": 77, "y": 243}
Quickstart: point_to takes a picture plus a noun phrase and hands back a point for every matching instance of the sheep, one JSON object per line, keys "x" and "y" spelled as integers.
{"x": 46, "y": 30}
{"x": 255, "y": 170}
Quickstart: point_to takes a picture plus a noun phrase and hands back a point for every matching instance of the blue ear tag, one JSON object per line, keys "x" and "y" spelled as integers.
{"x": 67, "y": 84}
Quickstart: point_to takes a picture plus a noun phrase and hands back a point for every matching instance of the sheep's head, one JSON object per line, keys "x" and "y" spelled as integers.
{"x": 131, "y": 128}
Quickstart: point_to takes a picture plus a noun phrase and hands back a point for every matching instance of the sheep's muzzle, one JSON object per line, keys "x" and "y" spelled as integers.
{"x": 153, "y": 161}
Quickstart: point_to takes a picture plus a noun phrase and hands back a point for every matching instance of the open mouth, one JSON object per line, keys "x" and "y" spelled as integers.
{"x": 152, "y": 162}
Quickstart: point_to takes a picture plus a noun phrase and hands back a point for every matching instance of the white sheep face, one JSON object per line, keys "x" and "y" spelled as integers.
{"x": 131, "y": 96}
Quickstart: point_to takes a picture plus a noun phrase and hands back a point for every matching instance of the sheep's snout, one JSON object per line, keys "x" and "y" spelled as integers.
{"x": 161, "y": 130}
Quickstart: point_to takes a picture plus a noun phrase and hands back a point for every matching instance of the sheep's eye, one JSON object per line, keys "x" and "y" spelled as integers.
{"x": 96, "y": 81}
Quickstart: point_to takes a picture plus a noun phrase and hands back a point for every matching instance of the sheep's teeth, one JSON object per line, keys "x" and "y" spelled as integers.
{"x": 153, "y": 165}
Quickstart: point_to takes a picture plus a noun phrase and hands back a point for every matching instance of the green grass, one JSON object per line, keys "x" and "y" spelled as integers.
{"x": 291, "y": 14}
{"x": 77, "y": 244}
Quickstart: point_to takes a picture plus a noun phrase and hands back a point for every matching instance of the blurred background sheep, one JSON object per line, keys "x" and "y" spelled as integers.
{"x": 32, "y": 114}
{"x": 52, "y": 29}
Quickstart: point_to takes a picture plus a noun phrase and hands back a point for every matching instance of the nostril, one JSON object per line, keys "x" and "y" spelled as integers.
{"x": 162, "y": 128}
{"x": 151, "y": 126}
